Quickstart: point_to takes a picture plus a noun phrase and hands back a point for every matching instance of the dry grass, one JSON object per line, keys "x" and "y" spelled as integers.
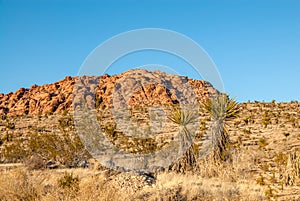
{"x": 52, "y": 185}
{"x": 87, "y": 185}
{"x": 194, "y": 187}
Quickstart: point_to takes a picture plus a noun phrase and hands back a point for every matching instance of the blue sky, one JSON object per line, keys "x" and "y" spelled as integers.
{"x": 254, "y": 44}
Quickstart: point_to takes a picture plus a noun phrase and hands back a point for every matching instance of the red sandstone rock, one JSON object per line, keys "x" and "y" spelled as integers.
{"x": 58, "y": 97}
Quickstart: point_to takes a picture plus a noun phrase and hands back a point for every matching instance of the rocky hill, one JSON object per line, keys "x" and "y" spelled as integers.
{"x": 58, "y": 97}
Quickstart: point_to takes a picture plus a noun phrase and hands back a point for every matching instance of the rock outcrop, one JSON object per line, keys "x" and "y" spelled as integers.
{"x": 48, "y": 98}
{"x": 58, "y": 97}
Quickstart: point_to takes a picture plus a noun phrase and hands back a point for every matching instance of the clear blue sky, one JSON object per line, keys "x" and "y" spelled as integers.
{"x": 255, "y": 44}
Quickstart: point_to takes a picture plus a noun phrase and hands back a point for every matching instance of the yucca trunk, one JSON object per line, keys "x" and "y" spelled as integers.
{"x": 186, "y": 163}
{"x": 188, "y": 160}
{"x": 220, "y": 140}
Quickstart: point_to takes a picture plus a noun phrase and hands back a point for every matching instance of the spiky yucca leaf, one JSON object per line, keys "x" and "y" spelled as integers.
{"x": 221, "y": 107}
{"x": 182, "y": 117}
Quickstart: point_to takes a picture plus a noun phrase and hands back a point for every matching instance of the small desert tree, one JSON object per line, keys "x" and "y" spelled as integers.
{"x": 182, "y": 118}
{"x": 221, "y": 109}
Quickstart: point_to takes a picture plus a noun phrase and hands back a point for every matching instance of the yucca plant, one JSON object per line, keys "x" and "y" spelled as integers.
{"x": 182, "y": 118}
{"x": 221, "y": 109}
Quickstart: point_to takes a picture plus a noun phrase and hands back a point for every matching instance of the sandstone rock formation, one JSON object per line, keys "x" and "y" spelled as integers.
{"x": 48, "y": 98}
{"x": 58, "y": 97}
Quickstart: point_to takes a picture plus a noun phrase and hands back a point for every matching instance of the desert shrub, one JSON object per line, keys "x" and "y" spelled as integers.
{"x": 145, "y": 145}
{"x": 247, "y": 131}
{"x": 270, "y": 193}
{"x": 14, "y": 152}
{"x": 68, "y": 180}
{"x": 110, "y": 130}
{"x": 61, "y": 148}
{"x": 35, "y": 162}
{"x": 65, "y": 112}
{"x": 10, "y": 125}
{"x": 65, "y": 122}
{"x": 130, "y": 144}
{"x": 265, "y": 167}
{"x": 281, "y": 159}
{"x": 3, "y": 117}
{"x": 246, "y": 120}
{"x": 260, "y": 180}
{"x": 266, "y": 120}
{"x": 293, "y": 121}
{"x": 69, "y": 185}
{"x": 262, "y": 142}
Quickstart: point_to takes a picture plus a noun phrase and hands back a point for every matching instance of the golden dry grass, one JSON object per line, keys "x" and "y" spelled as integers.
{"x": 44, "y": 185}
